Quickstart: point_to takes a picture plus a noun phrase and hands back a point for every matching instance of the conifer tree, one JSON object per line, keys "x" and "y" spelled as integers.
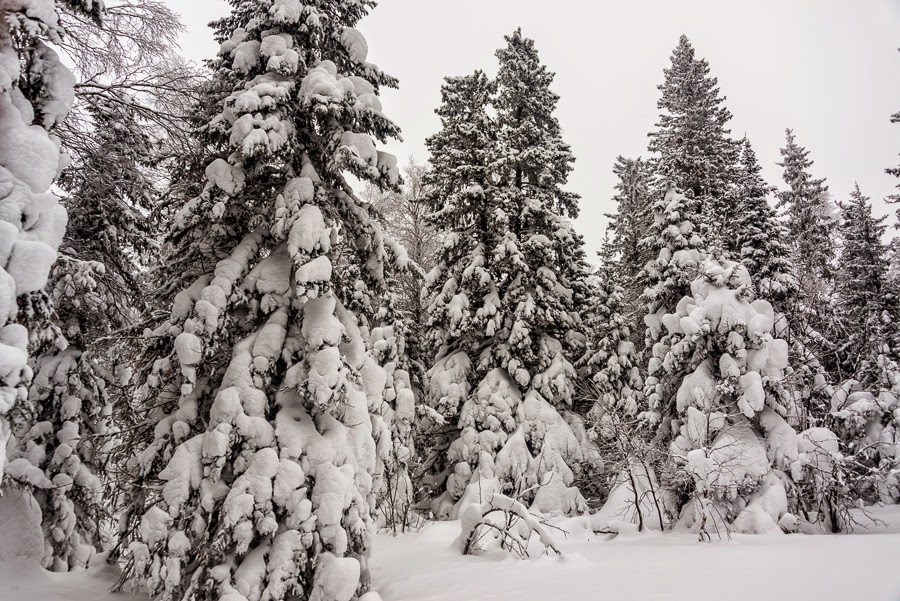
{"x": 809, "y": 314}
{"x": 534, "y": 163}
{"x": 808, "y": 217}
{"x": 611, "y": 362}
{"x": 864, "y": 407}
{"x": 256, "y": 454}
{"x": 94, "y": 289}
{"x": 504, "y": 310}
{"x": 695, "y": 152}
{"x": 461, "y": 291}
{"x": 632, "y": 221}
{"x": 866, "y": 305}
{"x": 760, "y": 240}
{"x": 725, "y": 368}
{"x": 36, "y": 92}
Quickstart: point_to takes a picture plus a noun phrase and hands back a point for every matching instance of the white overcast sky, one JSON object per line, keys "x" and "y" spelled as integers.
{"x": 829, "y": 69}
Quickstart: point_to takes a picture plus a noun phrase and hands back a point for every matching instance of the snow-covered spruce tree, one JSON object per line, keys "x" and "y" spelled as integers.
{"x": 806, "y": 206}
{"x": 94, "y": 290}
{"x": 809, "y": 313}
{"x": 504, "y": 307}
{"x": 533, "y": 166}
{"x": 35, "y": 95}
{"x": 255, "y": 476}
{"x": 695, "y": 152}
{"x": 610, "y": 361}
{"x": 729, "y": 434}
{"x": 866, "y": 306}
{"x": 461, "y": 292}
{"x": 609, "y": 392}
{"x": 632, "y": 221}
{"x": 865, "y": 413}
{"x": 761, "y": 240}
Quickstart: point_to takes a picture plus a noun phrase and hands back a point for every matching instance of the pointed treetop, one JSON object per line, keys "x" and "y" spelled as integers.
{"x": 692, "y": 139}
{"x": 796, "y": 162}
{"x": 532, "y": 149}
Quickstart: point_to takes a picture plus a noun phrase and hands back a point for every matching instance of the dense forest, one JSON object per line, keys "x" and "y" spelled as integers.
{"x": 237, "y": 339}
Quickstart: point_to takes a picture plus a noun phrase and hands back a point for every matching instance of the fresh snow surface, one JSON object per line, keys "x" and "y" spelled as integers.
{"x": 32, "y": 583}
{"x": 642, "y": 567}
{"x": 425, "y": 566}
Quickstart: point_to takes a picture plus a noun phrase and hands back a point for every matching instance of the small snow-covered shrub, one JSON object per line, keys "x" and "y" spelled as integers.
{"x": 501, "y": 522}
{"x": 631, "y": 462}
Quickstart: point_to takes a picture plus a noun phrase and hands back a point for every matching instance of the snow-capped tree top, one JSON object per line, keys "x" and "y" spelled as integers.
{"x": 756, "y": 235}
{"x": 796, "y": 164}
{"x": 462, "y": 151}
{"x": 806, "y": 204}
{"x": 750, "y": 178}
{"x": 695, "y": 153}
{"x": 533, "y": 155}
{"x": 633, "y": 217}
{"x": 862, "y": 259}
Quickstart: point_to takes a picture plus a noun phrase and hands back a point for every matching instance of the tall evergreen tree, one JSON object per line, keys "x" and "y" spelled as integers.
{"x": 695, "y": 152}
{"x": 761, "y": 240}
{"x": 810, "y": 314}
{"x": 461, "y": 291}
{"x": 865, "y": 408}
{"x": 534, "y": 163}
{"x": 632, "y": 221}
{"x": 506, "y": 288}
{"x": 94, "y": 290}
{"x": 256, "y": 453}
{"x": 36, "y": 92}
{"x": 805, "y": 203}
{"x": 611, "y": 362}
{"x": 866, "y": 305}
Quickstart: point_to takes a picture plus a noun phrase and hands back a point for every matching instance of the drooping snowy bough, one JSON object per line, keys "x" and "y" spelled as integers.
{"x": 254, "y": 479}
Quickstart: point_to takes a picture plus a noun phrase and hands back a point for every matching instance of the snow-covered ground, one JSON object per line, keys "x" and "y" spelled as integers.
{"x": 32, "y": 583}
{"x": 655, "y": 567}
